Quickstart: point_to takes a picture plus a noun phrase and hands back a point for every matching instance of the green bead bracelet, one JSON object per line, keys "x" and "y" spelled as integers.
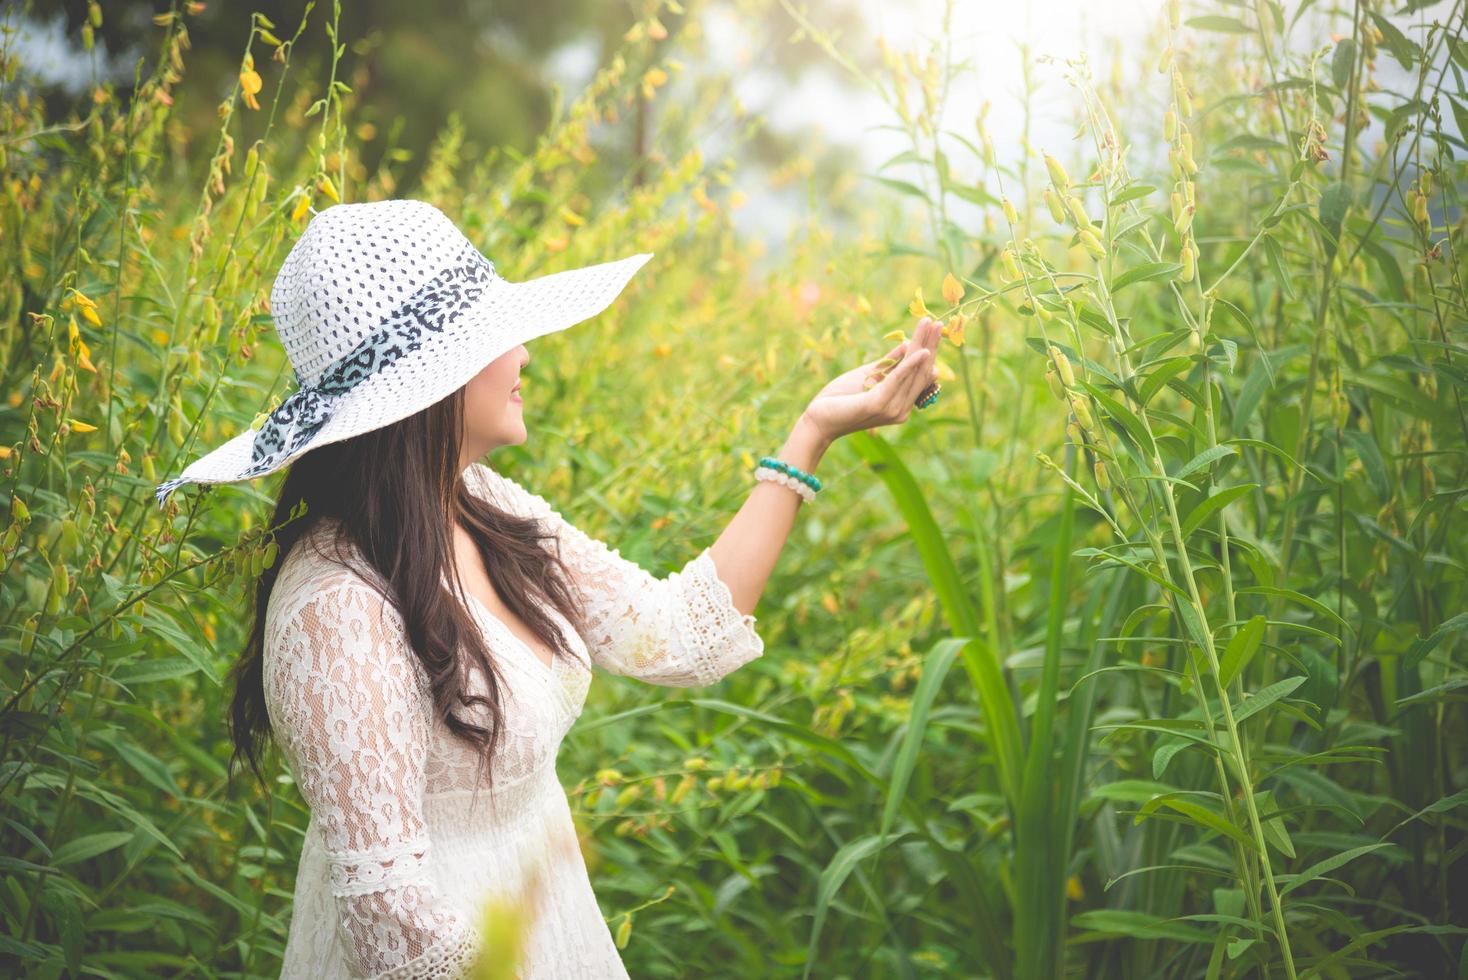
{"x": 784, "y": 467}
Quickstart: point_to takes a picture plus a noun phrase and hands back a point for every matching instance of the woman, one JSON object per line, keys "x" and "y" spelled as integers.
{"x": 430, "y": 625}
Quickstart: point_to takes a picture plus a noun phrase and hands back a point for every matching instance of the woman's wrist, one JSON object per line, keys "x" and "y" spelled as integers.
{"x": 805, "y": 446}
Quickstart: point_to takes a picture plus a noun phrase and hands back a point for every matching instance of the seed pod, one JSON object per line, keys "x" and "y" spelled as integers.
{"x": 1185, "y": 140}
{"x": 1074, "y": 431}
{"x": 1188, "y": 192}
{"x": 1184, "y": 100}
{"x": 1189, "y": 262}
{"x": 1078, "y": 211}
{"x": 1165, "y": 62}
{"x": 684, "y": 787}
{"x": 1053, "y": 380}
{"x": 71, "y": 536}
{"x": 1010, "y": 214}
{"x": 1092, "y": 244}
{"x": 1011, "y": 267}
{"x": 1419, "y": 208}
{"x": 1184, "y": 220}
{"x": 624, "y": 932}
{"x": 1103, "y": 478}
{"x": 19, "y": 511}
{"x": 1057, "y": 173}
{"x": 1174, "y": 13}
{"x": 59, "y": 586}
{"x": 1062, "y": 364}
{"x": 1082, "y": 412}
{"x": 1189, "y": 165}
{"x": 1053, "y": 203}
{"x": 1169, "y": 126}
{"x": 628, "y": 795}
{"x": 1177, "y": 206}
{"x": 176, "y": 421}
{"x": 28, "y": 635}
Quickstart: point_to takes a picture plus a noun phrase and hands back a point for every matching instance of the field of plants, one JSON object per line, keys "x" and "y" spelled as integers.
{"x": 1142, "y": 654}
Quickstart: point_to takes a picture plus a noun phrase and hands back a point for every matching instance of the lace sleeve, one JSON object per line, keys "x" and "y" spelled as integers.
{"x": 351, "y": 714}
{"x": 680, "y": 631}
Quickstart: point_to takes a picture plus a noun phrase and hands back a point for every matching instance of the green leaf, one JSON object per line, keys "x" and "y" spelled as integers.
{"x": 1334, "y": 202}
{"x": 1198, "y": 814}
{"x": 149, "y": 766}
{"x": 1133, "y": 193}
{"x": 1208, "y": 456}
{"x": 940, "y": 659}
{"x": 1240, "y": 650}
{"x": 89, "y": 846}
{"x": 1264, "y": 697}
{"x": 1403, "y": 48}
{"x": 1343, "y": 62}
{"x": 1297, "y": 597}
{"x": 1145, "y": 272}
{"x": 842, "y": 864}
{"x": 1225, "y": 25}
{"x": 1132, "y": 790}
{"x": 1293, "y": 881}
{"x": 162, "y": 625}
{"x": 1126, "y": 418}
{"x": 1206, "y": 508}
{"x": 1138, "y": 925}
{"x": 1421, "y": 647}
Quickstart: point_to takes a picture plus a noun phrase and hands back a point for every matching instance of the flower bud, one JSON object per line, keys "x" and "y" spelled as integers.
{"x": 1010, "y": 214}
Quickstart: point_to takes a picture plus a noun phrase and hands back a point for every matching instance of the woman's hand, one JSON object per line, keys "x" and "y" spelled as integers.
{"x": 847, "y": 405}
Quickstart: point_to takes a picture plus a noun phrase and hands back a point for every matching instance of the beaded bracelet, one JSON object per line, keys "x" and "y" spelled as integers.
{"x": 779, "y": 471}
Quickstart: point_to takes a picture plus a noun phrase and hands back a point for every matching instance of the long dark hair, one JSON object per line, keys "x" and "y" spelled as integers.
{"x": 391, "y": 493}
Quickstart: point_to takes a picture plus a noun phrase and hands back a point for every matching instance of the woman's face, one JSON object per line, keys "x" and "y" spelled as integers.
{"x": 492, "y": 408}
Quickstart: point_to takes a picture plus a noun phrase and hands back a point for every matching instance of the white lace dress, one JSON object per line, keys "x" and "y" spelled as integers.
{"x": 397, "y": 870}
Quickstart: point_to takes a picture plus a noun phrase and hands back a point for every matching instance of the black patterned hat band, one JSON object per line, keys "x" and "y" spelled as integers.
{"x": 384, "y": 309}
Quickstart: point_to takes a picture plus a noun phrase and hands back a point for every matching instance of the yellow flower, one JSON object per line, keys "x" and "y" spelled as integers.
{"x": 81, "y": 426}
{"x": 952, "y": 290}
{"x": 325, "y": 186}
{"x": 917, "y": 307}
{"x": 250, "y": 83}
{"x": 303, "y": 204}
{"x": 572, "y": 218}
{"x": 954, "y": 329}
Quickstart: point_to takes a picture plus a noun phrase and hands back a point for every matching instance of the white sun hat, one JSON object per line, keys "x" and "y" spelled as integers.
{"x": 385, "y": 308}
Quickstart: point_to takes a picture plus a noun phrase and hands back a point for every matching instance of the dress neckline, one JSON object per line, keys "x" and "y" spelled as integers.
{"x": 549, "y": 668}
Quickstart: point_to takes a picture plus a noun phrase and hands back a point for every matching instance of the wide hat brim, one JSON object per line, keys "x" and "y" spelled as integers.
{"x": 505, "y": 315}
